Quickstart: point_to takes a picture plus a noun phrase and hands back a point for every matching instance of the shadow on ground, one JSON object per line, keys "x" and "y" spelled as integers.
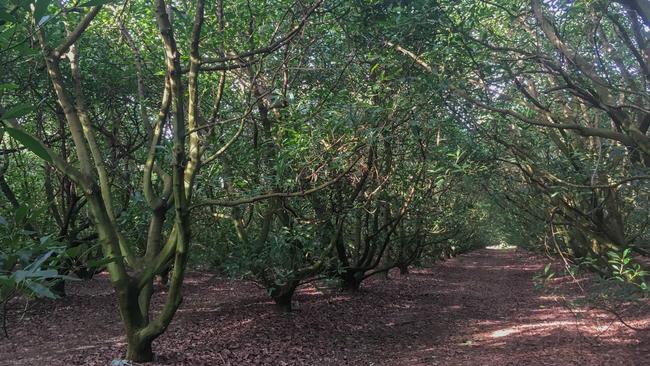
{"x": 478, "y": 309}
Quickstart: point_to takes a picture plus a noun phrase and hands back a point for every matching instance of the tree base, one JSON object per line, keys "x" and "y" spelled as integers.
{"x": 350, "y": 283}
{"x": 282, "y": 297}
{"x": 140, "y": 352}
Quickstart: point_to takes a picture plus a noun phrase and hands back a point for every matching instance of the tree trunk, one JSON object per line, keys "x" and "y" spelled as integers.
{"x": 139, "y": 350}
{"x": 283, "y": 294}
{"x": 164, "y": 277}
{"x": 351, "y": 280}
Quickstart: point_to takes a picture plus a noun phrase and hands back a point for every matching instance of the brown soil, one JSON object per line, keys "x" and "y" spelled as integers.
{"x": 478, "y": 309}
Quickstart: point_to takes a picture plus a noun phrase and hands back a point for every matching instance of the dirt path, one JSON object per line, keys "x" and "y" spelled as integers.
{"x": 478, "y": 309}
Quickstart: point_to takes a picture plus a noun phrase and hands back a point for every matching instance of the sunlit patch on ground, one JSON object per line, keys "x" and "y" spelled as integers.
{"x": 477, "y": 309}
{"x": 502, "y": 332}
{"x": 501, "y": 246}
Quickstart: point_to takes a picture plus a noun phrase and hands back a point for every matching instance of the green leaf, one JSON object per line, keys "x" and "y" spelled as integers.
{"x": 43, "y": 20}
{"x": 67, "y": 278}
{"x": 40, "y": 290}
{"x": 7, "y": 17}
{"x": 25, "y": 256}
{"x": 45, "y": 274}
{"x": 8, "y": 262}
{"x": 74, "y": 251}
{"x": 40, "y": 9}
{"x": 96, "y": 263}
{"x": 38, "y": 262}
{"x": 17, "y": 111}
{"x": 7, "y": 285}
{"x": 29, "y": 142}
{"x": 20, "y": 214}
{"x": 8, "y": 86}
{"x": 96, "y": 2}
{"x": 20, "y": 275}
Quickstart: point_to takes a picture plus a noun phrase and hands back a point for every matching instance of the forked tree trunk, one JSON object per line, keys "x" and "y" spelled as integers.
{"x": 134, "y": 309}
{"x": 283, "y": 294}
{"x": 351, "y": 280}
{"x": 403, "y": 269}
{"x": 139, "y": 350}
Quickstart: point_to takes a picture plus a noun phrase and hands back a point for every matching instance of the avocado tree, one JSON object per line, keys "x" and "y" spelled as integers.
{"x": 174, "y": 144}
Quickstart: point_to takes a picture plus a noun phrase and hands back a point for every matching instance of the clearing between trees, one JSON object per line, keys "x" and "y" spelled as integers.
{"x": 309, "y": 147}
{"x": 481, "y": 308}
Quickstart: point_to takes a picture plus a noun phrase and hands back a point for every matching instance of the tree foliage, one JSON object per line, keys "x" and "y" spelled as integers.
{"x": 287, "y": 141}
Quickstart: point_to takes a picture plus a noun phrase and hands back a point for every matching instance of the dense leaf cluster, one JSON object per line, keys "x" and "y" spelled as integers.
{"x": 287, "y": 142}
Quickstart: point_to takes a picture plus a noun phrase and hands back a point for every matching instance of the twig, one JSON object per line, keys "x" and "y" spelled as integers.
{"x": 620, "y": 318}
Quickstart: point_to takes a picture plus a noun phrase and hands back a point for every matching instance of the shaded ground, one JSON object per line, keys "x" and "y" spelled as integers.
{"x": 477, "y": 309}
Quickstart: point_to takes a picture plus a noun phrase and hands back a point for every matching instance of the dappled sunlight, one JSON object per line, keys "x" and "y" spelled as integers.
{"x": 490, "y": 312}
{"x": 381, "y": 183}
{"x": 199, "y": 310}
{"x": 197, "y": 279}
{"x": 452, "y": 308}
{"x": 529, "y": 329}
{"x": 502, "y": 333}
{"x": 502, "y": 246}
{"x": 310, "y": 291}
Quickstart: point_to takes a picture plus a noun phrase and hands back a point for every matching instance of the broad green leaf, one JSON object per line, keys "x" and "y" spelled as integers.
{"x": 74, "y": 251}
{"x": 96, "y": 2}
{"x": 8, "y": 86}
{"x": 20, "y": 213}
{"x": 20, "y": 275}
{"x": 17, "y": 111}
{"x": 7, "y": 17}
{"x": 38, "y": 262}
{"x": 46, "y": 273}
{"x": 8, "y": 262}
{"x": 43, "y": 20}
{"x": 44, "y": 239}
{"x": 40, "y": 290}
{"x": 6, "y": 281}
{"x": 25, "y": 256}
{"x": 96, "y": 263}
{"x": 40, "y": 10}
{"x": 29, "y": 142}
